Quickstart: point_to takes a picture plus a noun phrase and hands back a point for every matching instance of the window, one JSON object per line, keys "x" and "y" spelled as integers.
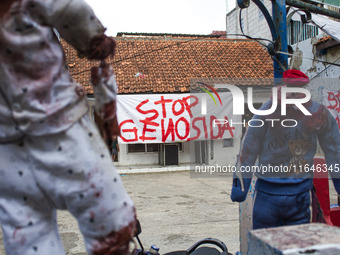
{"x": 148, "y": 147}
{"x": 142, "y": 147}
{"x": 294, "y": 32}
{"x": 138, "y": 147}
{"x": 152, "y": 147}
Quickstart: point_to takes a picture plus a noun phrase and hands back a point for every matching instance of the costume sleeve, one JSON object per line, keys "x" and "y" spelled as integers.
{"x": 329, "y": 140}
{"x": 74, "y": 20}
{"x": 105, "y": 89}
{"x": 105, "y": 92}
{"x": 250, "y": 148}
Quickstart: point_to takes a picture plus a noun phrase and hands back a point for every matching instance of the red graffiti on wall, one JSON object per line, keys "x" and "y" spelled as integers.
{"x": 172, "y": 121}
{"x": 334, "y": 104}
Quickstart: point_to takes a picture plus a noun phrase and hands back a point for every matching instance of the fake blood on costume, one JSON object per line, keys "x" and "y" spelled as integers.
{"x": 52, "y": 156}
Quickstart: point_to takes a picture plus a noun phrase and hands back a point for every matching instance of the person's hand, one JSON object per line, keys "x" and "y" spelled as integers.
{"x": 116, "y": 243}
{"x": 98, "y": 73}
{"x": 105, "y": 92}
{"x": 237, "y": 194}
{"x": 101, "y": 47}
{"x": 111, "y": 126}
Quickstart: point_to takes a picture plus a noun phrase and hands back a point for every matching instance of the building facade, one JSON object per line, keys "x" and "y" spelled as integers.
{"x": 171, "y": 66}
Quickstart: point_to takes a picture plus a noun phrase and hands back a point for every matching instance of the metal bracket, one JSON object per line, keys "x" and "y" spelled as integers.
{"x": 305, "y": 18}
{"x": 245, "y": 4}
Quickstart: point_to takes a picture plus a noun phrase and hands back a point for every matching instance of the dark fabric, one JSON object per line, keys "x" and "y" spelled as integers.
{"x": 276, "y": 210}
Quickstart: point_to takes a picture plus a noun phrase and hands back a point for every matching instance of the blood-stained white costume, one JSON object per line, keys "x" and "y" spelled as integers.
{"x": 51, "y": 155}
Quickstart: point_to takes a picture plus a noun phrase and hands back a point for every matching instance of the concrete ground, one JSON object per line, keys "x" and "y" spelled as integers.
{"x": 175, "y": 210}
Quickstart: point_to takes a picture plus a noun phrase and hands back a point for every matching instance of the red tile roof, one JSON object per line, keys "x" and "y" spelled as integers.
{"x": 222, "y": 34}
{"x": 163, "y": 65}
{"x": 323, "y": 39}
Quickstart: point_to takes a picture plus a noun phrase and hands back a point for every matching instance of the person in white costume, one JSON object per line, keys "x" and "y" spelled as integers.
{"x": 51, "y": 154}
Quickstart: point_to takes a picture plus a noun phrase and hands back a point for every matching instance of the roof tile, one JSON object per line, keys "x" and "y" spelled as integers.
{"x": 172, "y": 64}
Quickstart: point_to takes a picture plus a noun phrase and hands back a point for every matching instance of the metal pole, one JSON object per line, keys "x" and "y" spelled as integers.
{"x": 279, "y": 18}
{"x": 313, "y": 8}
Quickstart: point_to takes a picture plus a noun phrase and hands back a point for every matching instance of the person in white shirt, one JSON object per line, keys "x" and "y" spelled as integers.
{"x": 52, "y": 156}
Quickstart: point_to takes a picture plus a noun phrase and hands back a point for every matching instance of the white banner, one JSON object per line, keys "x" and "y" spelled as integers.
{"x": 331, "y": 99}
{"x": 164, "y": 118}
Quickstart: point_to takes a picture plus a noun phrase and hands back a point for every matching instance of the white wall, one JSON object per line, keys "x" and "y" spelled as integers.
{"x": 223, "y": 156}
{"x": 217, "y": 155}
{"x": 308, "y": 53}
{"x": 148, "y": 158}
{"x": 322, "y": 75}
{"x": 228, "y": 155}
{"x": 254, "y": 24}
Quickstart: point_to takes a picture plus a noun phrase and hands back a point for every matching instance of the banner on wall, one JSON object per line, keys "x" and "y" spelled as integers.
{"x": 165, "y": 118}
{"x": 331, "y": 99}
